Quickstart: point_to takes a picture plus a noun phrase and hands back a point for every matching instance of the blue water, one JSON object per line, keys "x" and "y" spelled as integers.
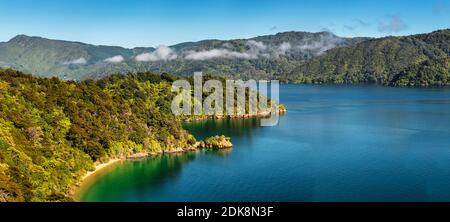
{"x": 336, "y": 143}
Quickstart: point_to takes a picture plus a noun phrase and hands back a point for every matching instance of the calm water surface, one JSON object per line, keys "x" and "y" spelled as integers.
{"x": 336, "y": 143}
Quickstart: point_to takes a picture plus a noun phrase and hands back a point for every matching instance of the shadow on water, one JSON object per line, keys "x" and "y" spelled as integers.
{"x": 228, "y": 127}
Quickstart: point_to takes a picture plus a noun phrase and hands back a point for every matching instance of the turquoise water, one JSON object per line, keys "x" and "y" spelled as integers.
{"x": 336, "y": 143}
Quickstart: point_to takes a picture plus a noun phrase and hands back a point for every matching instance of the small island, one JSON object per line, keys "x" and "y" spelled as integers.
{"x": 216, "y": 142}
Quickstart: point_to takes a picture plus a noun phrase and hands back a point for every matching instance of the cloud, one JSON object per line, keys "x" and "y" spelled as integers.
{"x": 218, "y": 53}
{"x": 273, "y": 28}
{"x": 115, "y": 59}
{"x": 394, "y": 24}
{"x": 161, "y": 53}
{"x": 255, "y": 44}
{"x": 78, "y": 61}
{"x": 257, "y": 49}
{"x": 319, "y": 45}
{"x": 254, "y": 51}
{"x": 284, "y": 47}
{"x": 227, "y": 45}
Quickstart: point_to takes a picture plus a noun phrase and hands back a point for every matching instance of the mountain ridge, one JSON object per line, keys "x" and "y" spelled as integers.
{"x": 300, "y": 57}
{"x": 386, "y": 61}
{"x": 249, "y": 57}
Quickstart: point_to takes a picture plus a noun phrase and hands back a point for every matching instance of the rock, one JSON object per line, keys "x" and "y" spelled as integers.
{"x": 216, "y": 142}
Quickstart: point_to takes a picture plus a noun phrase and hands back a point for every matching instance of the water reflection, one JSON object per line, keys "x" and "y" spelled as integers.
{"x": 227, "y": 127}
{"x": 334, "y": 144}
{"x": 133, "y": 178}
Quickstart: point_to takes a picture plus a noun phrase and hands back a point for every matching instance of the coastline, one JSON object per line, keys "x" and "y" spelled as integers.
{"x": 281, "y": 110}
{"x": 197, "y": 146}
{"x": 98, "y": 168}
{"x": 75, "y": 189}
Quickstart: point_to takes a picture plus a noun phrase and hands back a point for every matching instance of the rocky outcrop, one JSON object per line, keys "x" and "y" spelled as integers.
{"x": 216, "y": 142}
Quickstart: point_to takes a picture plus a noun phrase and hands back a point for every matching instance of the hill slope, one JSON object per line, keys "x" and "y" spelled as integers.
{"x": 417, "y": 60}
{"x": 46, "y": 57}
{"x": 260, "y": 57}
{"x": 51, "y": 131}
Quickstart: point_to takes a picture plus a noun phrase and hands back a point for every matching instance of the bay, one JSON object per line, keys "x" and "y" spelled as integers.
{"x": 335, "y": 143}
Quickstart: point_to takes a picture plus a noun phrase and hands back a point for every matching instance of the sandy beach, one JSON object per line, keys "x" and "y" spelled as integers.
{"x": 99, "y": 167}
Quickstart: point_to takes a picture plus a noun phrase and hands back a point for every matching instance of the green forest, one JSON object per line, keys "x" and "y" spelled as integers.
{"x": 52, "y": 131}
{"x": 417, "y": 60}
{"x": 414, "y": 60}
{"x": 25, "y": 53}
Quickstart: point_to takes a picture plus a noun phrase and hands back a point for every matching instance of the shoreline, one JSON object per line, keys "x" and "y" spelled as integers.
{"x": 74, "y": 191}
{"x": 141, "y": 155}
{"x": 281, "y": 111}
{"x": 98, "y": 167}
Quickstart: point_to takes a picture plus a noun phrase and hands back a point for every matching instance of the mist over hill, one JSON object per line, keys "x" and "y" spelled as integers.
{"x": 261, "y": 57}
{"x": 416, "y": 60}
{"x": 301, "y": 57}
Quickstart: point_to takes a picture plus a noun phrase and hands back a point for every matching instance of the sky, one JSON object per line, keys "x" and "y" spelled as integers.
{"x": 135, "y": 23}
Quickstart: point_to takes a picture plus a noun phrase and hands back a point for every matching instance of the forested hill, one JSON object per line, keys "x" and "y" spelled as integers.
{"x": 265, "y": 57}
{"x": 417, "y": 60}
{"x": 51, "y": 131}
{"x": 301, "y": 57}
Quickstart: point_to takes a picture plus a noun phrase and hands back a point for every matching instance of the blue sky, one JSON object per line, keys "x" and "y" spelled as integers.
{"x": 156, "y": 22}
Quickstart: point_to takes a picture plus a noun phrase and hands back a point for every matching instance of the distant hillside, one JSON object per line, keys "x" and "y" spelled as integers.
{"x": 417, "y": 60}
{"x": 47, "y": 57}
{"x": 260, "y": 57}
{"x": 301, "y": 57}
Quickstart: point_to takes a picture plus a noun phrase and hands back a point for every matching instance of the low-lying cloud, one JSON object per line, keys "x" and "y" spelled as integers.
{"x": 394, "y": 24}
{"x": 115, "y": 59}
{"x": 256, "y": 45}
{"x": 320, "y": 45}
{"x": 255, "y": 49}
{"x": 284, "y": 47}
{"x": 163, "y": 53}
{"x": 218, "y": 53}
{"x": 78, "y": 61}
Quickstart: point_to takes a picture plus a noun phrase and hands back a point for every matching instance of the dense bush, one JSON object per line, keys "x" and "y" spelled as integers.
{"x": 418, "y": 60}
{"x": 52, "y": 131}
